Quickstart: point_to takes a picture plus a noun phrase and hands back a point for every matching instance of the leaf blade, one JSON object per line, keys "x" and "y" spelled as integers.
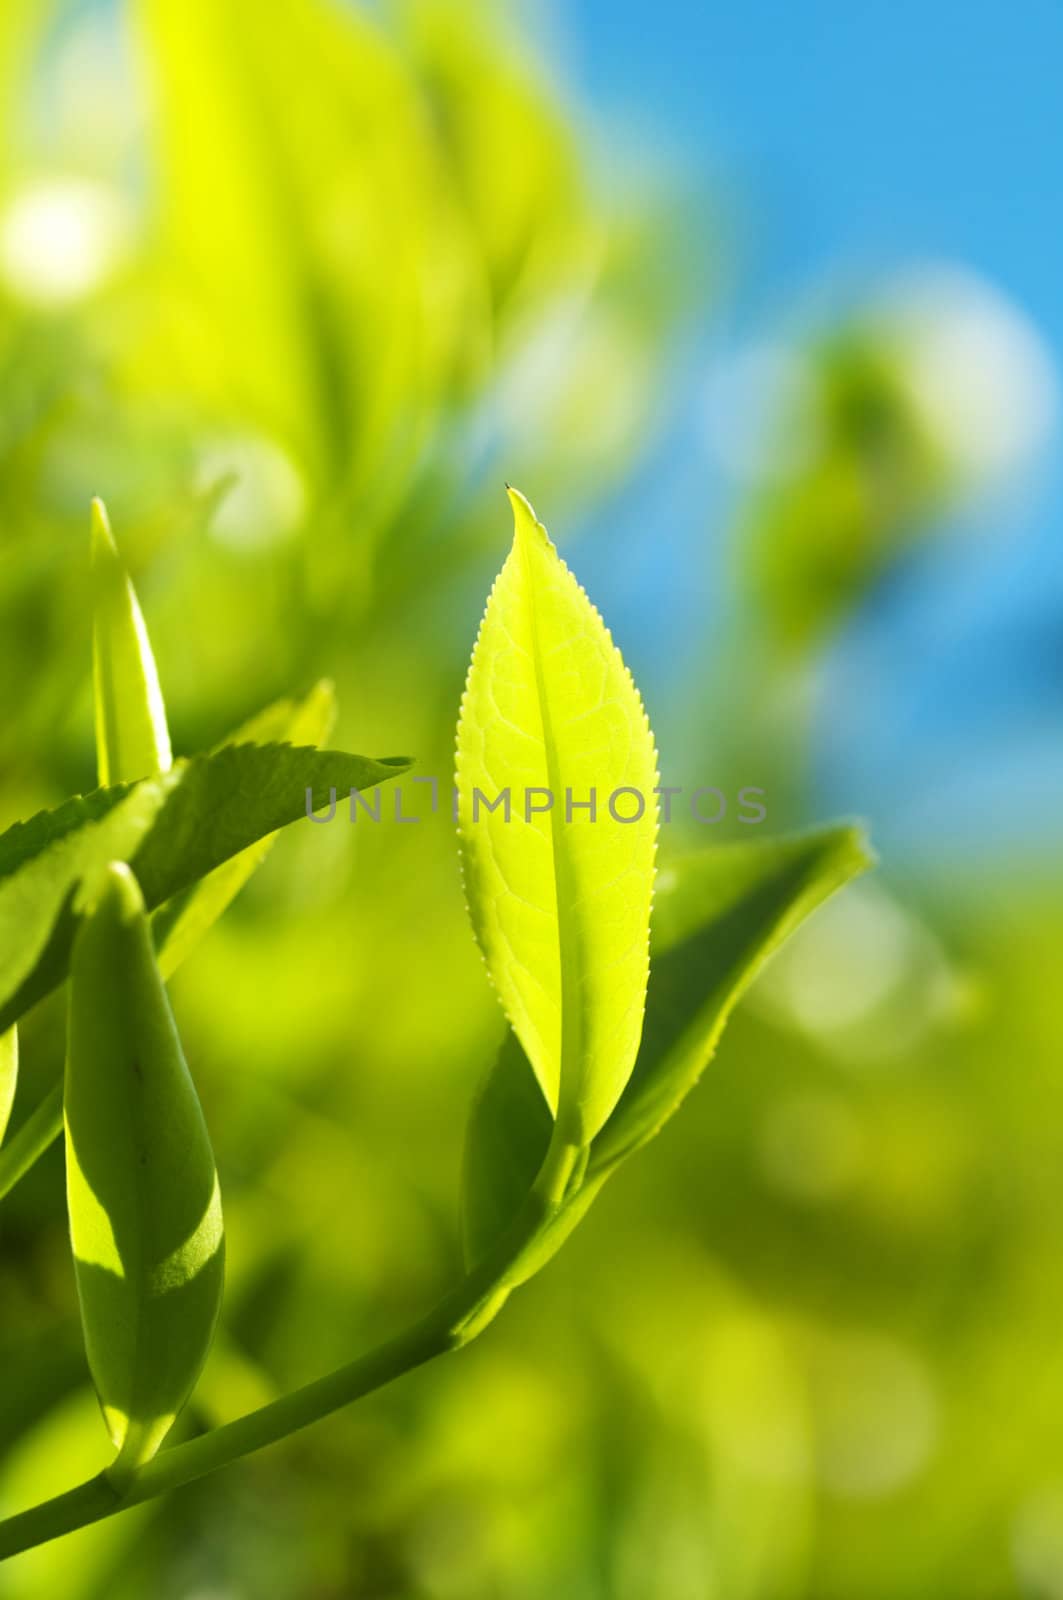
{"x": 8, "y": 1076}
{"x": 132, "y": 738}
{"x": 560, "y": 908}
{"x": 173, "y": 828}
{"x": 506, "y": 1139}
{"x": 187, "y": 917}
{"x": 725, "y": 913}
{"x": 143, "y": 1198}
{"x": 700, "y": 970}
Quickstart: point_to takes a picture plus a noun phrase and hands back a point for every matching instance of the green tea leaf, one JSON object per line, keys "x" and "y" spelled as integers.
{"x": 719, "y": 914}
{"x": 559, "y": 900}
{"x": 42, "y": 900}
{"x": 24, "y": 840}
{"x": 717, "y": 918}
{"x": 8, "y": 1075}
{"x": 506, "y": 1142}
{"x": 173, "y": 829}
{"x": 142, "y": 1191}
{"x": 182, "y": 922}
{"x": 132, "y": 739}
{"x": 507, "y": 1137}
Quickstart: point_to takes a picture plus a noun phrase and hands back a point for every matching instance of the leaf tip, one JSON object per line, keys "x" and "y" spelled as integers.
{"x": 101, "y": 538}
{"x": 525, "y": 523}
{"x": 119, "y": 893}
{"x": 857, "y": 837}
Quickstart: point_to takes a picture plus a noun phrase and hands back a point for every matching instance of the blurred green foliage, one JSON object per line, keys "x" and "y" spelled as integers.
{"x": 818, "y": 535}
{"x": 295, "y": 289}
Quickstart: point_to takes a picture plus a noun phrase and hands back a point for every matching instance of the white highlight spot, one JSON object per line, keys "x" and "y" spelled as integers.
{"x": 977, "y": 370}
{"x": 61, "y": 239}
{"x": 266, "y": 501}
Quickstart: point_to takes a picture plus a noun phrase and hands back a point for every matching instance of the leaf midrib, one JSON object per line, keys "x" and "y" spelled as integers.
{"x": 570, "y": 943}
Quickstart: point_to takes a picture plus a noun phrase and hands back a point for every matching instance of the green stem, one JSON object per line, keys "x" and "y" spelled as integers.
{"x": 40, "y": 1130}
{"x": 458, "y": 1318}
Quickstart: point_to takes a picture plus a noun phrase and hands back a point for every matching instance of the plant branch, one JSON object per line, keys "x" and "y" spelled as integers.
{"x": 456, "y": 1320}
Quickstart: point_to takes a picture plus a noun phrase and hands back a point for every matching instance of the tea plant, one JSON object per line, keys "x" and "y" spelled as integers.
{"x": 611, "y": 1019}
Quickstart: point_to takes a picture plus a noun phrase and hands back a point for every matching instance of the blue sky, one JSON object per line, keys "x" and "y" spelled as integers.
{"x": 852, "y": 139}
{"x": 863, "y": 129}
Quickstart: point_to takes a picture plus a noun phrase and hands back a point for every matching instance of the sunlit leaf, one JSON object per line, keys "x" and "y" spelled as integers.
{"x": 8, "y": 1075}
{"x": 174, "y": 829}
{"x": 560, "y": 900}
{"x": 132, "y": 739}
{"x": 142, "y": 1191}
{"x": 718, "y": 916}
